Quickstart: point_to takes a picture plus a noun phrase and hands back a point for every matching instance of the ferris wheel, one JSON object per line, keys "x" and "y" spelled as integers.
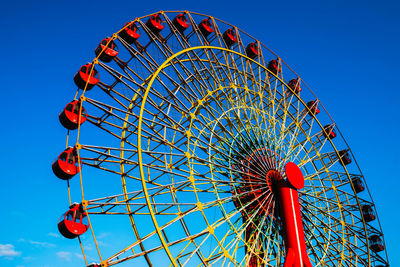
{"x": 193, "y": 144}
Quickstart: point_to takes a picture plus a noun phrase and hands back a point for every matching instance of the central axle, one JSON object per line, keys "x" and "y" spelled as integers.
{"x": 284, "y": 187}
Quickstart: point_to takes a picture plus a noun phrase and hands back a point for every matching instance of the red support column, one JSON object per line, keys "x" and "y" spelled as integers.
{"x": 291, "y": 216}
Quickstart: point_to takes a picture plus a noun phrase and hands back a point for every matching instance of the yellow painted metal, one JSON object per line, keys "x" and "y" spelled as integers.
{"x": 140, "y": 144}
{"x": 272, "y": 120}
{"x": 123, "y": 179}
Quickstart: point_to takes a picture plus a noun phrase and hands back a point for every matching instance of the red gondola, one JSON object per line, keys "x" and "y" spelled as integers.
{"x": 273, "y": 66}
{"x": 94, "y": 265}
{"x": 329, "y": 132}
{"x": 358, "y": 184}
{"x": 312, "y": 105}
{"x": 69, "y": 117}
{"x": 130, "y": 33}
{"x": 294, "y": 84}
{"x": 180, "y": 22}
{"x": 368, "y": 213}
{"x": 154, "y": 23}
{"x": 85, "y": 75}
{"x": 344, "y": 155}
{"x": 74, "y": 222}
{"x": 66, "y": 165}
{"x": 229, "y": 37}
{"x": 376, "y": 243}
{"x": 252, "y": 50}
{"x": 109, "y": 49}
{"x": 206, "y": 27}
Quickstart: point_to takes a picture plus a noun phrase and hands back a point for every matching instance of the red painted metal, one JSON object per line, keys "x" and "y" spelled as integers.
{"x": 358, "y": 185}
{"x": 107, "y": 50}
{"x": 273, "y": 66}
{"x": 329, "y": 132}
{"x": 376, "y": 243}
{"x": 206, "y": 27}
{"x": 312, "y": 105}
{"x": 251, "y": 196}
{"x": 368, "y": 213}
{"x": 345, "y": 157}
{"x": 253, "y": 262}
{"x": 250, "y": 209}
{"x": 154, "y": 23}
{"x": 66, "y": 165}
{"x": 296, "y": 252}
{"x": 294, "y": 84}
{"x": 289, "y": 208}
{"x": 294, "y": 175}
{"x": 229, "y": 37}
{"x": 130, "y": 33}
{"x": 69, "y": 117}
{"x": 180, "y": 22}
{"x": 74, "y": 222}
{"x": 252, "y": 169}
{"x": 252, "y": 50}
{"x": 85, "y": 75}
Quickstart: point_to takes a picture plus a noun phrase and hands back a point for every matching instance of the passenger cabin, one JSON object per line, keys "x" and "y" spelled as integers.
{"x": 180, "y": 22}
{"x": 229, "y": 37}
{"x": 368, "y": 213}
{"x": 294, "y": 84}
{"x": 252, "y": 50}
{"x": 376, "y": 243}
{"x": 329, "y": 132}
{"x": 273, "y": 66}
{"x": 358, "y": 184}
{"x": 312, "y": 106}
{"x": 69, "y": 117}
{"x": 205, "y": 27}
{"x": 86, "y": 77}
{"x": 74, "y": 222}
{"x": 130, "y": 33}
{"x": 107, "y": 50}
{"x": 66, "y": 165}
{"x": 94, "y": 265}
{"x": 344, "y": 155}
{"x": 154, "y": 23}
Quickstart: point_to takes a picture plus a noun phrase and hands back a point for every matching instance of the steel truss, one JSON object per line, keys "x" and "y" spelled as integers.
{"x": 170, "y": 114}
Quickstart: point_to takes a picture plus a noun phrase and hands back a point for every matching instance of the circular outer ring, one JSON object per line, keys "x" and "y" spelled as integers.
{"x": 342, "y": 219}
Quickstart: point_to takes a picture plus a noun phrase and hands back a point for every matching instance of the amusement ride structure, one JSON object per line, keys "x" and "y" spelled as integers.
{"x": 225, "y": 156}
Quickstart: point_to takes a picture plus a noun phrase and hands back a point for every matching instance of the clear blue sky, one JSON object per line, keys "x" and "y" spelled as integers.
{"x": 347, "y": 52}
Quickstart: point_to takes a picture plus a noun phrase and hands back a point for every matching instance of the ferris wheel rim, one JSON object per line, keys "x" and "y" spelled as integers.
{"x": 95, "y": 62}
{"x": 141, "y": 117}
